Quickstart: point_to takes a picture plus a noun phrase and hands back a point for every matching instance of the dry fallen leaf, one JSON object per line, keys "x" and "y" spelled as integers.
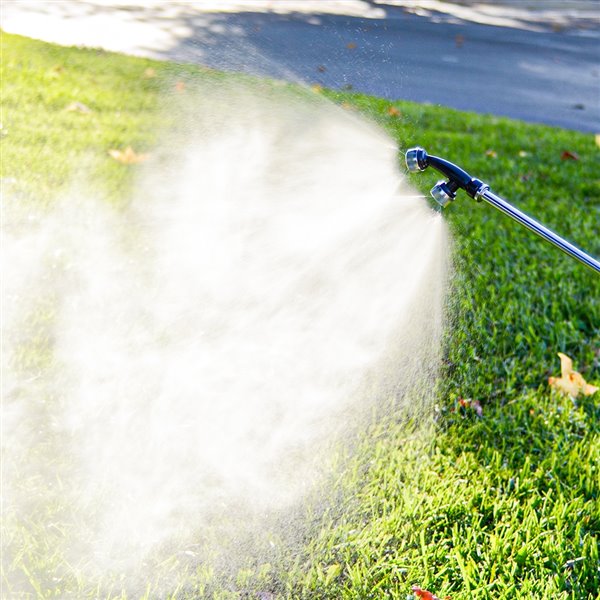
{"x": 393, "y": 112}
{"x": 149, "y": 73}
{"x": 420, "y": 593}
{"x": 567, "y": 155}
{"x": 128, "y": 156}
{"x": 79, "y": 107}
{"x": 351, "y": 46}
{"x": 571, "y": 382}
{"x": 180, "y": 86}
{"x": 315, "y": 87}
{"x": 55, "y": 72}
{"x": 475, "y": 405}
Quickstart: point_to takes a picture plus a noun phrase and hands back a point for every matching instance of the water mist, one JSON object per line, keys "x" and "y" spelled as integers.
{"x": 179, "y": 370}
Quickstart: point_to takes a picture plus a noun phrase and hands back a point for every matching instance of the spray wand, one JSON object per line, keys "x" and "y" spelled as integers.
{"x": 444, "y": 192}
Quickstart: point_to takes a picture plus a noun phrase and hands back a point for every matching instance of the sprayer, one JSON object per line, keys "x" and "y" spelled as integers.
{"x": 444, "y": 192}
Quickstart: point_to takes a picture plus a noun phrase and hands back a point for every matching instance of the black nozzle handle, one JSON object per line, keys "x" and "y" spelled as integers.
{"x": 417, "y": 160}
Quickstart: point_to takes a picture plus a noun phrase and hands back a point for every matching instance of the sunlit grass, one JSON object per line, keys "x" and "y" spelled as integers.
{"x": 502, "y": 506}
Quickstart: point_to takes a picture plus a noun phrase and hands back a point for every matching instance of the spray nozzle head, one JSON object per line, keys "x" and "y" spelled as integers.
{"x": 416, "y": 159}
{"x": 443, "y": 192}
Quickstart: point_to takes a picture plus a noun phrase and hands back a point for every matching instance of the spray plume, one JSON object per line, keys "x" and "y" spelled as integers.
{"x": 177, "y": 370}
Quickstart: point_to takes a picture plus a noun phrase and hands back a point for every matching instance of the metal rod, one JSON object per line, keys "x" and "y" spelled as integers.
{"x": 538, "y": 228}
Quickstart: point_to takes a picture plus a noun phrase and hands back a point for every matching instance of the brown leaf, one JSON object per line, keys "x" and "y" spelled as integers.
{"x": 472, "y": 404}
{"x": 79, "y": 107}
{"x": 55, "y": 72}
{"x": 128, "y": 156}
{"x": 180, "y": 86}
{"x": 149, "y": 73}
{"x": 571, "y": 382}
{"x": 351, "y": 46}
{"x": 567, "y": 155}
{"x": 315, "y": 87}
{"x": 393, "y": 111}
{"x": 424, "y": 594}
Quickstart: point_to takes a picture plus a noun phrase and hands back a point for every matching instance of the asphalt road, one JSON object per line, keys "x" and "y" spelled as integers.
{"x": 531, "y": 71}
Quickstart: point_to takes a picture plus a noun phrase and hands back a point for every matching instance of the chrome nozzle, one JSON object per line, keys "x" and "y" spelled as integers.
{"x": 442, "y": 193}
{"x": 416, "y": 159}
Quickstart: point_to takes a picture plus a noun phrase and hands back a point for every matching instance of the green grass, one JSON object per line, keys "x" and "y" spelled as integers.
{"x": 502, "y": 506}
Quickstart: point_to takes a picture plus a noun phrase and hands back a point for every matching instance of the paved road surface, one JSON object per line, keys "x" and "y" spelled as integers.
{"x": 539, "y": 67}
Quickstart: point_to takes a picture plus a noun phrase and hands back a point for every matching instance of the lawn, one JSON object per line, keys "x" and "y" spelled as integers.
{"x": 502, "y": 504}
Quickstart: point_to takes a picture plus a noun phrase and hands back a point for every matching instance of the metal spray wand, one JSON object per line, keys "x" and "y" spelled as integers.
{"x": 444, "y": 192}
